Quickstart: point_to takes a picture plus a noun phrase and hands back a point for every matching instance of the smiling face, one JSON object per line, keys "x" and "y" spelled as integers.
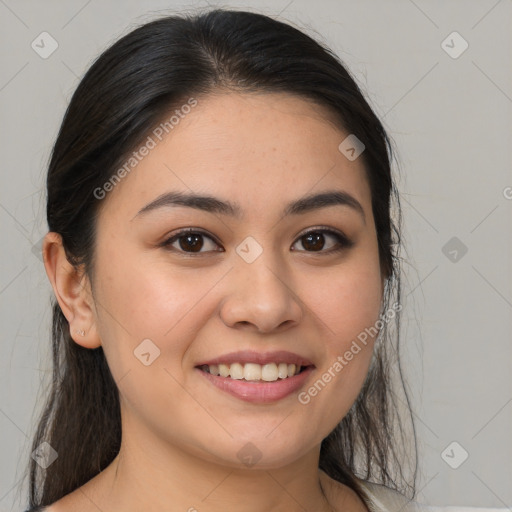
{"x": 267, "y": 278}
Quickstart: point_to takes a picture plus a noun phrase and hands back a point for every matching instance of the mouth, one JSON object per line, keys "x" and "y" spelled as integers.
{"x": 256, "y": 377}
{"x": 254, "y": 372}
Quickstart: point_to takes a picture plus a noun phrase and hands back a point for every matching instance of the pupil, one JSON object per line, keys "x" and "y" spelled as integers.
{"x": 316, "y": 238}
{"x": 195, "y": 245}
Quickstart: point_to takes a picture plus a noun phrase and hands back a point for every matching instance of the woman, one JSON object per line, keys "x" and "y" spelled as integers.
{"x": 224, "y": 263}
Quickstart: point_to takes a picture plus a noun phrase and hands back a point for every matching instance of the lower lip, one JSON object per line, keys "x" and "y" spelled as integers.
{"x": 259, "y": 391}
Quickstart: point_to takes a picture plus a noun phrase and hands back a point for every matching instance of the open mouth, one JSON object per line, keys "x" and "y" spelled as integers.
{"x": 257, "y": 377}
{"x": 253, "y": 372}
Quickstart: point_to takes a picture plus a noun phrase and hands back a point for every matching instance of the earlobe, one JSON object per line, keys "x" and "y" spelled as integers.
{"x": 72, "y": 291}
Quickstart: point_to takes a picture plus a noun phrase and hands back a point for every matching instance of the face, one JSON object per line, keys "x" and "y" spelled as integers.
{"x": 202, "y": 330}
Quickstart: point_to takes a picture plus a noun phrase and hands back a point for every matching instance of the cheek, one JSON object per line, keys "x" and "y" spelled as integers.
{"x": 348, "y": 306}
{"x": 137, "y": 302}
{"x": 141, "y": 299}
{"x": 350, "y": 312}
{"x": 349, "y": 303}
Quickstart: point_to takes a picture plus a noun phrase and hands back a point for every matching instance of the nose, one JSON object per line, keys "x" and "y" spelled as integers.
{"x": 261, "y": 297}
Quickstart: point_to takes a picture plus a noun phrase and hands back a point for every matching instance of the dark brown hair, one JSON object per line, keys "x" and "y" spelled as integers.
{"x": 123, "y": 95}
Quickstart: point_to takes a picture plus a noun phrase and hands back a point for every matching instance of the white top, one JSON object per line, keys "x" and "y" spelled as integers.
{"x": 384, "y": 499}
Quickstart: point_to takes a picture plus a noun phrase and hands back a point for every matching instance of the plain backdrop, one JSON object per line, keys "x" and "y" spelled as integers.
{"x": 448, "y": 109}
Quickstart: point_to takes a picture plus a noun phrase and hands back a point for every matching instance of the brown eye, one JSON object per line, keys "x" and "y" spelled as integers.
{"x": 192, "y": 242}
{"x": 315, "y": 241}
{"x": 189, "y": 241}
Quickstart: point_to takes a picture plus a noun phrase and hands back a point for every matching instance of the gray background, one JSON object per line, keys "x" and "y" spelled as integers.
{"x": 451, "y": 121}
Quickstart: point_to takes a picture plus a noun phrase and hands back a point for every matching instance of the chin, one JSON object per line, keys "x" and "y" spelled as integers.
{"x": 261, "y": 452}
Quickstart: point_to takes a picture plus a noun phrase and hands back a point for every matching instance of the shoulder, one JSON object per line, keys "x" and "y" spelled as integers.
{"x": 384, "y": 499}
{"x": 61, "y": 505}
{"x": 81, "y": 499}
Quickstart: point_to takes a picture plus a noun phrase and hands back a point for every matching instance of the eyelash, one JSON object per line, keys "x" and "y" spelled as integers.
{"x": 342, "y": 241}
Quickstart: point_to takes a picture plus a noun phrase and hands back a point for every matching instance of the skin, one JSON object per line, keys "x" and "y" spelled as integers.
{"x": 181, "y": 434}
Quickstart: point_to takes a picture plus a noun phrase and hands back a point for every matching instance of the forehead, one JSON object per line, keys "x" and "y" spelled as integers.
{"x": 260, "y": 150}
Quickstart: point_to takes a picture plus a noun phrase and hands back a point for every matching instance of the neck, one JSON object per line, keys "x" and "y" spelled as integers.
{"x": 148, "y": 476}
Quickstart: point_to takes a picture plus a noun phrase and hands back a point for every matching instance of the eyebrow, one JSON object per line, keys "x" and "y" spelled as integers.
{"x": 214, "y": 205}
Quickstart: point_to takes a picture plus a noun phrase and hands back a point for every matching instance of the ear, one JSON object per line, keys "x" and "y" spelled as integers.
{"x": 73, "y": 292}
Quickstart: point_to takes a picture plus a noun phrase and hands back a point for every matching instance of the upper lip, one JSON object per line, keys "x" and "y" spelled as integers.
{"x": 250, "y": 356}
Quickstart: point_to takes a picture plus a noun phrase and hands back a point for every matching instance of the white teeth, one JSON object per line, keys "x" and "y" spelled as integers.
{"x": 223, "y": 370}
{"x": 269, "y": 372}
{"x": 254, "y": 372}
{"x": 236, "y": 371}
{"x": 282, "y": 370}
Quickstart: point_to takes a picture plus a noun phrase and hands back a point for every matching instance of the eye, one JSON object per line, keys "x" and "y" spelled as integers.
{"x": 314, "y": 240}
{"x": 189, "y": 241}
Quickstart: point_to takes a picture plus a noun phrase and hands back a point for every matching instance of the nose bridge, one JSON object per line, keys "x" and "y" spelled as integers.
{"x": 263, "y": 277}
{"x": 260, "y": 294}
